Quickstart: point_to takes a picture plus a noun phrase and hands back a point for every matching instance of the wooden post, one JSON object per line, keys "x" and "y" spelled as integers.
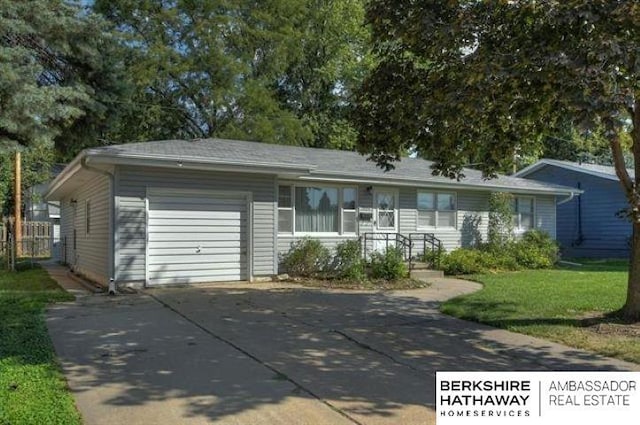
{"x": 17, "y": 233}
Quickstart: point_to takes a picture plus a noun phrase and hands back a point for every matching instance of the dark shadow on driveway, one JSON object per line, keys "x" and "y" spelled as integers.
{"x": 220, "y": 353}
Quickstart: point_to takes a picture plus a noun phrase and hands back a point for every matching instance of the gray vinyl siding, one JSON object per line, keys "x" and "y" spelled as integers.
{"x": 91, "y": 256}
{"x": 545, "y": 216}
{"x": 66, "y": 231}
{"x": 603, "y": 234}
{"x": 472, "y": 218}
{"x": 132, "y": 184}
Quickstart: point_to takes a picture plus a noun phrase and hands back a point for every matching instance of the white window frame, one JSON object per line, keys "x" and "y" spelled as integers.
{"x": 517, "y": 215}
{"x": 291, "y": 208}
{"x": 435, "y": 210}
{"x": 340, "y": 188}
{"x": 87, "y": 217}
{"x": 343, "y": 210}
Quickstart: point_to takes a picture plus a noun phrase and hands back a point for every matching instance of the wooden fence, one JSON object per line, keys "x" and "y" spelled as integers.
{"x": 36, "y": 241}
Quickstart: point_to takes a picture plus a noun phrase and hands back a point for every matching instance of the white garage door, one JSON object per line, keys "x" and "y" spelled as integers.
{"x": 196, "y": 237}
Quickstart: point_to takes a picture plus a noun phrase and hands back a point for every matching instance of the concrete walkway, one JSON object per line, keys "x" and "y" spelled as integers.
{"x": 272, "y": 353}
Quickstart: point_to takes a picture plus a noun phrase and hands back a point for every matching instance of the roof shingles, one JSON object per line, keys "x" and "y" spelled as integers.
{"x": 319, "y": 161}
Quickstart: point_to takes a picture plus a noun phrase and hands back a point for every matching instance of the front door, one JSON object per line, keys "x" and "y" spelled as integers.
{"x": 386, "y": 218}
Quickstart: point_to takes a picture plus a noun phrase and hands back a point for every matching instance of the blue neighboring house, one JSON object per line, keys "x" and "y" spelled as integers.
{"x": 587, "y": 226}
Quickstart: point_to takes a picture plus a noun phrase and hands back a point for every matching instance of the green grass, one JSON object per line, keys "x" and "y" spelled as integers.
{"x": 571, "y": 305}
{"x": 32, "y": 388}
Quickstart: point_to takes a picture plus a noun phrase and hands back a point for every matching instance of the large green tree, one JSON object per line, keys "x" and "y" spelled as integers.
{"x": 487, "y": 78}
{"x": 58, "y": 79}
{"x": 275, "y": 71}
{"x": 55, "y": 69}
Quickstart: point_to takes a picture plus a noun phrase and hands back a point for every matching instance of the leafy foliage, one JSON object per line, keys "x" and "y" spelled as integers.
{"x": 534, "y": 250}
{"x": 500, "y": 226}
{"x": 487, "y": 80}
{"x": 55, "y": 73}
{"x": 388, "y": 265}
{"x": 307, "y": 258}
{"x": 271, "y": 71}
{"x": 348, "y": 262}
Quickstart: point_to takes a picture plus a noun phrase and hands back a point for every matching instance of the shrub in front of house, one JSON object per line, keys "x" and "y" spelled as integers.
{"x": 307, "y": 258}
{"x": 348, "y": 262}
{"x": 388, "y": 265}
{"x": 465, "y": 261}
{"x": 534, "y": 250}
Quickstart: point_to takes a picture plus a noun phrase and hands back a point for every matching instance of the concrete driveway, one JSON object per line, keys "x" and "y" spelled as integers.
{"x": 264, "y": 354}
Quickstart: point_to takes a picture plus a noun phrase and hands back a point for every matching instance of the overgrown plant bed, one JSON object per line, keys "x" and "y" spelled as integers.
{"x": 312, "y": 264}
{"x": 575, "y": 306}
{"x": 376, "y": 284}
{"x": 32, "y": 388}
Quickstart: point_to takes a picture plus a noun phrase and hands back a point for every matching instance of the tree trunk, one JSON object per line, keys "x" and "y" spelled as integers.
{"x": 631, "y": 309}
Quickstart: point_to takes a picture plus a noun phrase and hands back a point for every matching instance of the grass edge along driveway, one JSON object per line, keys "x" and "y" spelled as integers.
{"x": 32, "y": 387}
{"x": 569, "y": 305}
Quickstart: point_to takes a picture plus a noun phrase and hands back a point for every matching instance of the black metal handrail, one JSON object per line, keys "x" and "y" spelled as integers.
{"x": 428, "y": 241}
{"x": 399, "y": 240}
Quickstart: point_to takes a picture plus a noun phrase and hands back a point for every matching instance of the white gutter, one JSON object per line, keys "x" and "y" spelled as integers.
{"x": 568, "y": 199}
{"x": 112, "y": 215}
{"x": 197, "y": 163}
{"x": 434, "y": 184}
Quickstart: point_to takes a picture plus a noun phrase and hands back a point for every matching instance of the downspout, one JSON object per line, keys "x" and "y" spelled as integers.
{"x": 567, "y": 199}
{"x": 112, "y": 228}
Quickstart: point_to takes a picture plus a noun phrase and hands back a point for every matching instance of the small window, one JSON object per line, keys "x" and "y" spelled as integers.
{"x": 523, "y": 213}
{"x": 436, "y": 209}
{"x": 87, "y": 217}
{"x": 285, "y": 210}
{"x": 349, "y": 221}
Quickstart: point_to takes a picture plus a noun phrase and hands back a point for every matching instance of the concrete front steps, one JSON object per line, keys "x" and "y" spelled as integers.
{"x": 421, "y": 271}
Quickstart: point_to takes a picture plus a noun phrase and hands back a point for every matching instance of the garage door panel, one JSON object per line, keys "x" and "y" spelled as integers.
{"x": 180, "y": 221}
{"x": 185, "y": 248}
{"x": 195, "y": 205}
{"x": 196, "y": 279}
{"x": 191, "y": 214}
{"x": 196, "y": 238}
{"x": 204, "y": 275}
{"x": 195, "y": 269}
{"x": 187, "y": 228}
{"x": 197, "y": 258}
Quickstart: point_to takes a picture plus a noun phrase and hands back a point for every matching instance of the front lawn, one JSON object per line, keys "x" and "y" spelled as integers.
{"x": 32, "y": 388}
{"x": 570, "y": 305}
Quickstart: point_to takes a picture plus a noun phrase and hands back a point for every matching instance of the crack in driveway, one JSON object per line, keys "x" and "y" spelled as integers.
{"x": 281, "y": 375}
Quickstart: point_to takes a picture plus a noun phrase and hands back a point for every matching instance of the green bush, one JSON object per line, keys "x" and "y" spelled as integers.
{"x": 535, "y": 250}
{"x": 388, "y": 265}
{"x": 464, "y": 261}
{"x": 307, "y": 258}
{"x": 348, "y": 262}
{"x": 432, "y": 258}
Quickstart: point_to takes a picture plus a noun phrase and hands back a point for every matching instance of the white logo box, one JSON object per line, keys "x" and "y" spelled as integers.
{"x": 533, "y": 398}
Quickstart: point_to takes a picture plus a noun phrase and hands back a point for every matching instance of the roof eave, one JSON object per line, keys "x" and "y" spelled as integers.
{"x": 544, "y": 163}
{"x": 179, "y": 162}
{"x": 426, "y": 183}
{"x": 68, "y": 172}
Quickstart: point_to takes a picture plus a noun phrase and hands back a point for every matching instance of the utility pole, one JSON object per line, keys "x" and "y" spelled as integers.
{"x": 17, "y": 224}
